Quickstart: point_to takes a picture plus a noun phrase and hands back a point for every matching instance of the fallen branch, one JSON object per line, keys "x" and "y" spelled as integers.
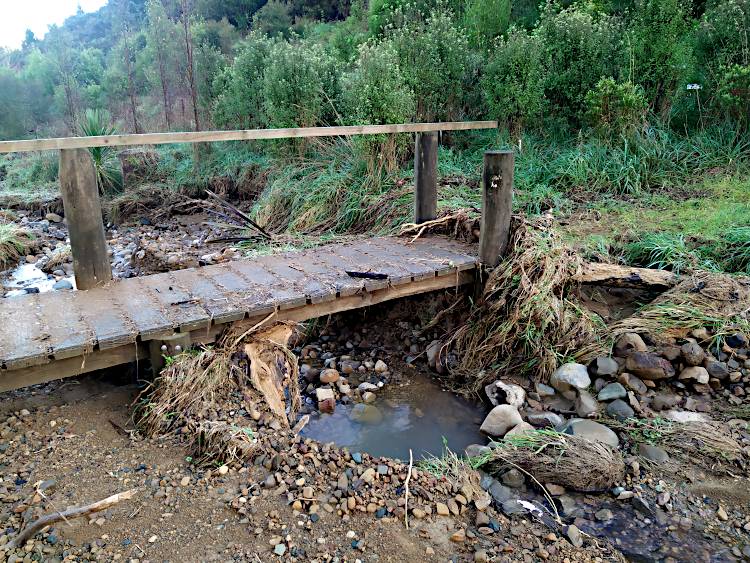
{"x": 625, "y": 276}
{"x": 75, "y": 512}
{"x": 240, "y": 214}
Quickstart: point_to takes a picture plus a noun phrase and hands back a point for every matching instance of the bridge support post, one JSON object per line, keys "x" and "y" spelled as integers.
{"x": 83, "y": 212}
{"x": 425, "y": 176}
{"x": 497, "y": 203}
{"x": 169, "y": 346}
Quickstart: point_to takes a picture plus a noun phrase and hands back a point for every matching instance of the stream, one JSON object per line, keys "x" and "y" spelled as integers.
{"x": 28, "y": 278}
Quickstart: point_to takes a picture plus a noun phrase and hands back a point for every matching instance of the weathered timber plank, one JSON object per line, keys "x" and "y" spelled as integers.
{"x": 446, "y": 258}
{"x": 65, "y": 333}
{"x": 238, "y": 135}
{"x": 21, "y": 333}
{"x": 110, "y": 325}
{"x": 221, "y": 305}
{"x": 135, "y": 300}
{"x": 314, "y": 288}
{"x": 71, "y": 367}
{"x": 419, "y": 266}
{"x": 181, "y": 308}
{"x": 324, "y": 259}
{"x": 279, "y": 292}
{"x": 360, "y": 258}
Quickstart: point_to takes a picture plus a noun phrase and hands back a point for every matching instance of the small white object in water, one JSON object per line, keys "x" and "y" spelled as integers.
{"x": 530, "y": 506}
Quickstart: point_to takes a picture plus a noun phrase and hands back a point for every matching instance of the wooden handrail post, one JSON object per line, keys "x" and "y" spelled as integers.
{"x": 425, "y": 176}
{"x": 83, "y": 212}
{"x": 497, "y": 204}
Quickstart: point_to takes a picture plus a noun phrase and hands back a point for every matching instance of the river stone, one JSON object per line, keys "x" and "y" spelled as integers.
{"x": 698, "y": 373}
{"x": 544, "y": 390}
{"x": 716, "y": 369}
{"x": 665, "y": 400}
{"x": 476, "y": 450}
{"x": 620, "y": 410}
{"x": 433, "y": 351}
{"x": 501, "y": 419}
{"x": 53, "y": 218}
{"x": 570, "y": 375}
{"x": 628, "y": 343}
{"x": 592, "y": 431}
{"x": 62, "y": 284}
{"x": 324, "y": 393}
{"x": 499, "y": 492}
{"x": 500, "y": 393}
{"x": 603, "y": 366}
{"x": 586, "y": 404}
{"x": 612, "y": 391}
{"x": 366, "y": 414}
{"x": 544, "y": 419}
{"x": 685, "y": 416}
{"x": 653, "y": 453}
{"x": 520, "y": 429}
{"x": 633, "y": 383}
{"x": 692, "y": 353}
{"x": 649, "y": 366}
{"x": 329, "y": 376}
{"x": 513, "y": 478}
{"x": 737, "y": 340}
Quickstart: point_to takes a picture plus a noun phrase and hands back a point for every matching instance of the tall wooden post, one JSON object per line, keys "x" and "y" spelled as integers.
{"x": 425, "y": 176}
{"x": 83, "y": 212}
{"x": 497, "y": 203}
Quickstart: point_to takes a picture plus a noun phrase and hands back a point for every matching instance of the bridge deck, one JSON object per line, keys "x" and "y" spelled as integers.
{"x": 53, "y": 335}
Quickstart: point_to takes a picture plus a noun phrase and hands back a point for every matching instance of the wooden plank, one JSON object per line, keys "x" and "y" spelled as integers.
{"x": 445, "y": 258}
{"x": 110, "y": 325}
{"x": 420, "y": 266}
{"x": 279, "y": 292}
{"x": 223, "y": 307}
{"x": 314, "y": 288}
{"x": 324, "y": 259}
{"x": 364, "y": 258}
{"x": 83, "y": 212}
{"x": 21, "y": 333}
{"x": 145, "y": 312}
{"x": 67, "y": 335}
{"x": 181, "y": 307}
{"x": 238, "y": 135}
{"x": 71, "y": 367}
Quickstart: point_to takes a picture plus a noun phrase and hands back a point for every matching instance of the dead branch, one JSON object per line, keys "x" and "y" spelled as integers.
{"x": 625, "y": 276}
{"x": 74, "y": 512}
{"x": 240, "y": 214}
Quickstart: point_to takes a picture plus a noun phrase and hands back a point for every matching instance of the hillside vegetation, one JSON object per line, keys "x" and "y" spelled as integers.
{"x": 607, "y": 102}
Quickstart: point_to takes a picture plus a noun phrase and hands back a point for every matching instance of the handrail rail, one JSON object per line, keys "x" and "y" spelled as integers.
{"x": 237, "y": 135}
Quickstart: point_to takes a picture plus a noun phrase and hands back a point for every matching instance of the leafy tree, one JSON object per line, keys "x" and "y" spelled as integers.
{"x": 162, "y": 42}
{"x": 579, "y": 48}
{"x": 348, "y": 35}
{"x": 434, "y": 58}
{"x": 15, "y": 115}
{"x": 274, "y": 19}
{"x": 615, "y": 109}
{"x": 239, "y": 87}
{"x": 300, "y": 86}
{"x": 513, "y": 80}
{"x": 486, "y": 20}
{"x": 124, "y": 79}
{"x": 238, "y": 12}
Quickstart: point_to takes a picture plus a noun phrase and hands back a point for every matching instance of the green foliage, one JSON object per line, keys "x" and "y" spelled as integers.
{"x": 239, "y": 102}
{"x": 614, "y": 109}
{"x": 434, "y": 58}
{"x": 513, "y": 80}
{"x": 486, "y": 20}
{"x": 659, "y": 47}
{"x": 734, "y": 93}
{"x": 96, "y": 123}
{"x": 274, "y": 19}
{"x": 579, "y": 48}
{"x": 663, "y": 251}
{"x": 300, "y": 86}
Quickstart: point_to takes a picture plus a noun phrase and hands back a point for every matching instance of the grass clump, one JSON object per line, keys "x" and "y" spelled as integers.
{"x": 15, "y": 242}
{"x": 525, "y": 322}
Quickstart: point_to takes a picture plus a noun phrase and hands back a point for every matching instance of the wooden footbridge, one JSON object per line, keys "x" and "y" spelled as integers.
{"x": 109, "y": 322}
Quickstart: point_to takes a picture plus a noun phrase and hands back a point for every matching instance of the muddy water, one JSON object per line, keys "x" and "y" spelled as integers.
{"x": 416, "y": 414}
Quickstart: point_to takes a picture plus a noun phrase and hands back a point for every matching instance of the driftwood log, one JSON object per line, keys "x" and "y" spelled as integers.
{"x": 70, "y": 513}
{"x": 614, "y": 275}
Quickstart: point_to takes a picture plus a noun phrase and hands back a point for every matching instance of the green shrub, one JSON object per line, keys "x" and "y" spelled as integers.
{"x": 513, "y": 80}
{"x": 274, "y": 19}
{"x": 580, "y": 48}
{"x": 486, "y": 20}
{"x": 614, "y": 109}
{"x": 660, "y": 48}
{"x": 734, "y": 93}
{"x": 300, "y": 86}
{"x": 239, "y": 103}
{"x": 434, "y": 57}
{"x": 375, "y": 92}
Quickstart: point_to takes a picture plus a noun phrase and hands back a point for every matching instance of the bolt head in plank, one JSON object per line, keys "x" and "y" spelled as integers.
{"x": 497, "y": 205}
{"x": 83, "y": 212}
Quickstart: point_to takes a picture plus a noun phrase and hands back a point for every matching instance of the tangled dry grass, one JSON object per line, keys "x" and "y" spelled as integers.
{"x": 552, "y": 457}
{"x": 15, "y": 241}
{"x": 525, "y": 322}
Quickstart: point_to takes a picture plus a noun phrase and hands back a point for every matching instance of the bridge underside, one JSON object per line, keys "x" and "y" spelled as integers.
{"x": 61, "y": 334}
